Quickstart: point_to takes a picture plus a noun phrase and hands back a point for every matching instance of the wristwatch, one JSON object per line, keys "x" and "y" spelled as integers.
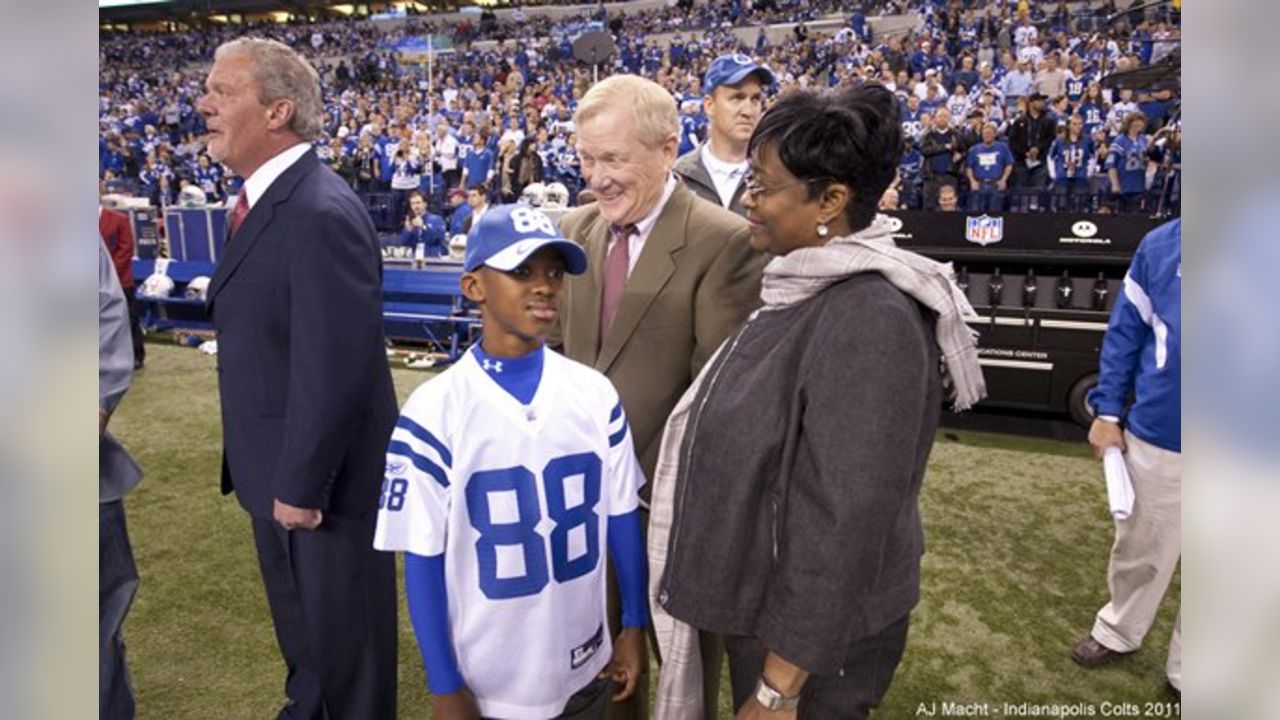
{"x": 773, "y": 700}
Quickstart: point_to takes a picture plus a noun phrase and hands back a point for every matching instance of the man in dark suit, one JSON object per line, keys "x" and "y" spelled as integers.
{"x": 307, "y": 400}
{"x": 671, "y": 275}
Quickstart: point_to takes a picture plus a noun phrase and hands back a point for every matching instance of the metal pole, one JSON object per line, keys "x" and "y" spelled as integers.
{"x": 431, "y": 168}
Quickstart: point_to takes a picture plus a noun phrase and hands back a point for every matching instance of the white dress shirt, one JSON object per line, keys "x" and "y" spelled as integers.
{"x": 256, "y": 185}
{"x": 645, "y": 226}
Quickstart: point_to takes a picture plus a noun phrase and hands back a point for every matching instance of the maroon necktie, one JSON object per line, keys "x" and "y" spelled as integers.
{"x": 616, "y": 264}
{"x": 238, "y": 212}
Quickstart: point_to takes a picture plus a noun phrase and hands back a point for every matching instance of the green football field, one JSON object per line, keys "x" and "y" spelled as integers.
{"x": 1017, "y": 531}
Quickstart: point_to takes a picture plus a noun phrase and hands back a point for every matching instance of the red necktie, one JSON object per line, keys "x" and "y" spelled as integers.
{"x": 238, "y": 212}
{"x": 616, "y": 266}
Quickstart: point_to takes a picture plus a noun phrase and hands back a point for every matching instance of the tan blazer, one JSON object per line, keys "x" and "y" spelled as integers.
{"x": 696, "y": 280}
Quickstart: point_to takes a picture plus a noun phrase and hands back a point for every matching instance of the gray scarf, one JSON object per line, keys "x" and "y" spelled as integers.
{"x": 801, "y": 274}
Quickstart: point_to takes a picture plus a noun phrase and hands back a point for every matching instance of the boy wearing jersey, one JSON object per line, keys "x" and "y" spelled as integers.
{"x": 507, "y": 477}
{"x": 1077, "y": 81}
{"x": 1093, "y": 113}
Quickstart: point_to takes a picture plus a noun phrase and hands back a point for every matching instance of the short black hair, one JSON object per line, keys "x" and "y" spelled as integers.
{"x": 851, "y": 136}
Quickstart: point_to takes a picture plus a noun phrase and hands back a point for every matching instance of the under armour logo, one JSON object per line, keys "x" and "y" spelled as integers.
{"x": 495, "y": 366}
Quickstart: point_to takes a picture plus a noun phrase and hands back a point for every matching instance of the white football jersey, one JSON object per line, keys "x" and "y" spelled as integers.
{"x": 517, "y": 497}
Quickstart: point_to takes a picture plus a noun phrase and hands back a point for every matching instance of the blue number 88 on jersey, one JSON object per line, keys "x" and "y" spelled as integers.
{"x": 522, "y": 532}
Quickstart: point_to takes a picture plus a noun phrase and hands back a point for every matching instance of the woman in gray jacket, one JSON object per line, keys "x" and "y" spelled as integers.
{"x": 791, "y": 469}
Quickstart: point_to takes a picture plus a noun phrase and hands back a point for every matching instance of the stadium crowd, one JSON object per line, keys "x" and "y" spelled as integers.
{"x": 1000, "y": 101}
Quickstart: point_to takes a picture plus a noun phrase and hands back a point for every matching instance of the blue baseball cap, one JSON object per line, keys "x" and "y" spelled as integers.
{"x": 732, "y": 69}
{"x": 507, "y": 235}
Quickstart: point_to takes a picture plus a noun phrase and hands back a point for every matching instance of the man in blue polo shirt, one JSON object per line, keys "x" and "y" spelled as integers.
{"x": 988, "y": 166}
{"x": 477, "y": 165}
{"x": 1142, "y": 358}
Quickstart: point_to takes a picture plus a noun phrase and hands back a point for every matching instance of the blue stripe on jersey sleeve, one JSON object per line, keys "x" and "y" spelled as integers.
{"x": 616, "y": 413}
{"x": 425, "y": 436}
{"x": 617, "y": 437}
{"x": 398, "y": 447}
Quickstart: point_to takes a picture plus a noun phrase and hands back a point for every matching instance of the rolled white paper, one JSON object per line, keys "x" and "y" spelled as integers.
{"x": 1119, "y": 486}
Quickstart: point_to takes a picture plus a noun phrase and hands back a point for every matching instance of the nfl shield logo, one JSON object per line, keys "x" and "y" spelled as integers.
{"x": 984, "y": 230}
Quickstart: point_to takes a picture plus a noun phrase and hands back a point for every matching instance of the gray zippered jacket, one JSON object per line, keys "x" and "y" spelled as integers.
{"x": 796, "y": 517}
{"x": 696, "y": 177}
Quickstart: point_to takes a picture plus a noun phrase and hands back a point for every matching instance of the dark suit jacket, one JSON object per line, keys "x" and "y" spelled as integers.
{"x": 307, "y": 399}
{"x": 694, "y": 283}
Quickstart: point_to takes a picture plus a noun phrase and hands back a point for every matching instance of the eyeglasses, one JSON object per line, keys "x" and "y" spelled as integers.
{"x": 753, "y": 187}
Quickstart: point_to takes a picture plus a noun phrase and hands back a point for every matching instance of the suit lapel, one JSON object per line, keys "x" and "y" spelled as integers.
{"x": 652, "y": 271}
{"x": 587, "y": 299}
{"x": 257, "y": 221}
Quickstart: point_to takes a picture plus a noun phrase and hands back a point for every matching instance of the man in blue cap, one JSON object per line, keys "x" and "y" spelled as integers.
{"x": 733, "y": 99}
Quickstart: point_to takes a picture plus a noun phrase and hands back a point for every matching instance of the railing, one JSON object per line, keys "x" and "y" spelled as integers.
{"x": 1160, "y": 201}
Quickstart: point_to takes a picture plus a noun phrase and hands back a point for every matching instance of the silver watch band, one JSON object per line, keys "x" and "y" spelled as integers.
{"x": 773, "y": 700}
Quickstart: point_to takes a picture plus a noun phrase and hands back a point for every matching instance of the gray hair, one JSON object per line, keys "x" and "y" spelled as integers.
{"x": 653, "y": 108}
{"x": 282, "y": 74}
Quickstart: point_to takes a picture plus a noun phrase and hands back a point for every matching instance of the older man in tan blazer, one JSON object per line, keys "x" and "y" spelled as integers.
{"x": 671, "y": 274}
